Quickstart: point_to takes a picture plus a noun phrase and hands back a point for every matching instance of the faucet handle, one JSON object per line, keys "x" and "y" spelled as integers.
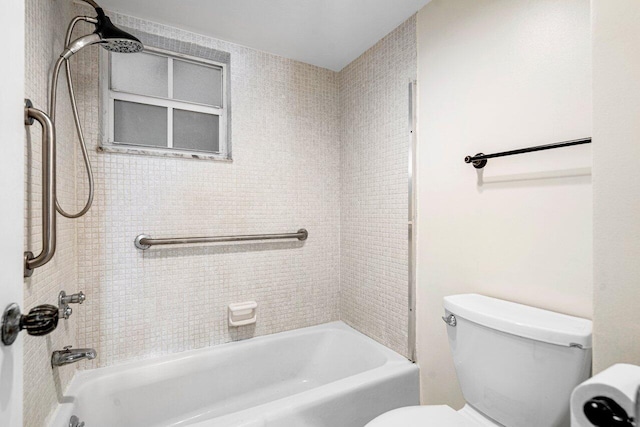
{"x": 67, "y": 347}
{"x": 41, "y": 320}
{"x": 64, "y": 300}
{"x": 76, "y": 298}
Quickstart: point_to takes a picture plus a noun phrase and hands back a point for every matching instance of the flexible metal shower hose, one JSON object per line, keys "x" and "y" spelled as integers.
{"x": 76, "y": 118}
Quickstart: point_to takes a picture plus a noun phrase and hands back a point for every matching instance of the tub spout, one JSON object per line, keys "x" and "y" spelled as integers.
{"x": 69, "y": 355}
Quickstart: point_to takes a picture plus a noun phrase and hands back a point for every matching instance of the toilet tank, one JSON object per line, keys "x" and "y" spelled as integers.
{"x": 516, "y": 364}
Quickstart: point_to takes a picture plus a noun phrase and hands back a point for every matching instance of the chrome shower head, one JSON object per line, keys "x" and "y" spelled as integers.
{"x": 106, "y": 34}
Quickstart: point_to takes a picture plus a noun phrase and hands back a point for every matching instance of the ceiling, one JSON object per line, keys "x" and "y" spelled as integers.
{"x": 327, "y": 33}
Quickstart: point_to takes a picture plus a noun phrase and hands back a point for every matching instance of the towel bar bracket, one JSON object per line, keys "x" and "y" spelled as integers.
{"x": 478, "y": 164}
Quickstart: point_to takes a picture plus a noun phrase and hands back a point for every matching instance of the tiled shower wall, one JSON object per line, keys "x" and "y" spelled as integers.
{"x": 312, "y": 148}
{"x": 46, "y": 23}
{"x": 374, "y": 144}
{"x": 284, "y": 176}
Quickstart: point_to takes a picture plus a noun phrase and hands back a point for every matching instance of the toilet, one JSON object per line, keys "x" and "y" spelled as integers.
{"x": 516, "y": 366}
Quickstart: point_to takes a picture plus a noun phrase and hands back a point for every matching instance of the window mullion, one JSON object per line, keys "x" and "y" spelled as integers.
{"x": 170, "y": 78}
{"x": 170, "y": 109}
{"x": 112, "y": 123}
{"x": 170, "y": 127}
{"x": 160, "y": 102}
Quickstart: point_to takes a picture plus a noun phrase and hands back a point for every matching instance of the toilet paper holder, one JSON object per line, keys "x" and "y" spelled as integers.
{"x": 602, "y": 411}
{"x": 610, "y": 398}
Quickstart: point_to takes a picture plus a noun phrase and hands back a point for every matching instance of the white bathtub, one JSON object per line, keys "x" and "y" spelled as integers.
{"x": 328, "y": 375}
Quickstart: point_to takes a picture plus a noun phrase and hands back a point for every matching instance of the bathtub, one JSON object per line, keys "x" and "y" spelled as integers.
{"x": 323, "y": 376}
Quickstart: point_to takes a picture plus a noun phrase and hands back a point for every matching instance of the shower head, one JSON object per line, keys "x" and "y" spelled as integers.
{"x": 106, "y": 35}
{"x": 113, "y": 38}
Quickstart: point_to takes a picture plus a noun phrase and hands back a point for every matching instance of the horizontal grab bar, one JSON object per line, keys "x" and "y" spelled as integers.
{"x": 480, "y": 160}
{"x": 144, "y": 242}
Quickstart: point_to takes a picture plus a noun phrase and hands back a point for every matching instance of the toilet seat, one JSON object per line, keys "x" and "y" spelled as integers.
{"x": 432, "y": 416}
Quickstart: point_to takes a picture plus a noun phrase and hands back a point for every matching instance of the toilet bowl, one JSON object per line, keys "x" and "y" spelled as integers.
{"x": 432, "y": 416}
{"x": 516, "y": 365}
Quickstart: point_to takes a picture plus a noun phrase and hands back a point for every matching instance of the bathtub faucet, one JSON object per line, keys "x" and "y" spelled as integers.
{"x": 68, "y": 355}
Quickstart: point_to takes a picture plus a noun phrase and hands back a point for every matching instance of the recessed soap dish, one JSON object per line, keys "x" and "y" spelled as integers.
{"x": 243, "y": 313}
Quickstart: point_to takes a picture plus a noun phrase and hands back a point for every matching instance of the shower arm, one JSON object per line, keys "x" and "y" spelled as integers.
{"x": 76, "y": 117}
{"x": 92, "y": 3}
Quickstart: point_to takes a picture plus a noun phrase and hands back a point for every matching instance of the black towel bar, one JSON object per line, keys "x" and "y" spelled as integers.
{"x": 480, "y": 160}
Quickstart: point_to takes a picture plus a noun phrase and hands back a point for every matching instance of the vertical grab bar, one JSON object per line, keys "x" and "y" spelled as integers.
{"x": 32, "y": 262}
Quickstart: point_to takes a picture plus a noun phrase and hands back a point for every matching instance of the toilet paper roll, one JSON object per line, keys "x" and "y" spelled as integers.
{"x": 619, "y": 382}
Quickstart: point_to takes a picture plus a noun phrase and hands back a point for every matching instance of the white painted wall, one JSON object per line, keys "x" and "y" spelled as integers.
{"x": 495, "y": 75}
{"x": 616, "y": 181}
{"x": 327, "y": 33}
{"x": 12, "y": 202}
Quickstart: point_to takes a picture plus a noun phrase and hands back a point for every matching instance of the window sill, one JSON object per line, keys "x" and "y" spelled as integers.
{"x": 159, "y": 152}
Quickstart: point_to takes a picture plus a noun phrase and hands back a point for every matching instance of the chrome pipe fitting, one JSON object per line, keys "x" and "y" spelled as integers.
{"x": 64, "y": 300}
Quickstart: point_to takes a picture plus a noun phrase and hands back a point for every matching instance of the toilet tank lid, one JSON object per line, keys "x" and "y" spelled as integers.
{"x": 521, "y": 320}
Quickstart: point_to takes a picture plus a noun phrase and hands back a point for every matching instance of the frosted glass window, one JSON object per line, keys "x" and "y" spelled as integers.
{"x": 142, "y": 74}
{"x": 140, "y": 124}
{"x": 155, "y": 99}
{"x": 196, "y": 131}
{"x": 197, "y": 83}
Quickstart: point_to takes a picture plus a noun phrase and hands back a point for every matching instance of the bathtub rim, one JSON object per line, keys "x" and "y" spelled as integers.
{"x": 393, "y": 364}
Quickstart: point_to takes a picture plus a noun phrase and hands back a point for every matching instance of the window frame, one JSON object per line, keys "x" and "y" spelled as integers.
{"x": 109, "y": 96}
